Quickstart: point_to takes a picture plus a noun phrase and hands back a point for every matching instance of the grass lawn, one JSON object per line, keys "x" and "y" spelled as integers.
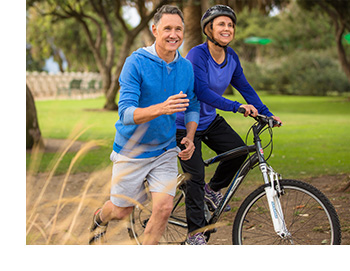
{"x": 313, "y": 140}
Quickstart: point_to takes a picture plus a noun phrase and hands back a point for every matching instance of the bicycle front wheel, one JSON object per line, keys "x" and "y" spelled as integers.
{"x": 176, "y": 230}
{"x": 309, "y": 216}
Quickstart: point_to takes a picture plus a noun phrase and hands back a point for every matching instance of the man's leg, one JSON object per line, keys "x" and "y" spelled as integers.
{"x": 101, "y": 218}
{"x": 161, "y": 210}
{"x": 112, "y": 212}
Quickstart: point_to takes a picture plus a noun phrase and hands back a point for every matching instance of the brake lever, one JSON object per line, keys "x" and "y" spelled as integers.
{"x": 273, "y": 122}
{"x": 270, "y": 121}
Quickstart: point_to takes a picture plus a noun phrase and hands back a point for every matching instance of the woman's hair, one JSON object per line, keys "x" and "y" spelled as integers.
{"x": 167, "y": 9}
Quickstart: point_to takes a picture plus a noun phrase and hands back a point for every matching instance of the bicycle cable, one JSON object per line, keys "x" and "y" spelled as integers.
{"x": 270, "y": 141}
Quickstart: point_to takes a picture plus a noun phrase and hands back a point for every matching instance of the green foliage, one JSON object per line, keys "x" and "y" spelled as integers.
{"x": 337, "y": 9}
{"x": 295, "y": 29}
{"x": 31, "y": 64}
{"x": 302, "y": 58}
{"x": 310, "y": 73}
{"x": 300, "y": 73}
{"x": 292, "y": 29}
{"x": 250, "y": 23}
{"x": 49, "y": 34}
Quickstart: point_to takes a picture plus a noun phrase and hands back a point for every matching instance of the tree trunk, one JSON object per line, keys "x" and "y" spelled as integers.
{"x": 193, "y": 33}
{"x": 147, "y": 37}
{"x": 111, "y": 95}
{"x": 33, "y": 134}
{"x": 114, "y": 86}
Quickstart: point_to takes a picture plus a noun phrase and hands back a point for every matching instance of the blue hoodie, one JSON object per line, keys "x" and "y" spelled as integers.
{"x": 146, "y": 80}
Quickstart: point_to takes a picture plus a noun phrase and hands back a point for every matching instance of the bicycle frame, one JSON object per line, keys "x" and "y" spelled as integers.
{"x": 271, "y": 179}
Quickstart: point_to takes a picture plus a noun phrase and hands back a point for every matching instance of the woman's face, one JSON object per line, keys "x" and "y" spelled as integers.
{"x": 223, "y": 30}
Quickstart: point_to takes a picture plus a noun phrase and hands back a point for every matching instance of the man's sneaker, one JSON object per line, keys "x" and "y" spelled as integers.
{"x": 213, "y": 199}
{"x": 197, "y": 239}
{"x": 97, "y": 229}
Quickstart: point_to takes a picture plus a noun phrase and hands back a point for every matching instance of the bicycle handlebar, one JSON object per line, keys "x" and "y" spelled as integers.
{"x": 268, "y": 120}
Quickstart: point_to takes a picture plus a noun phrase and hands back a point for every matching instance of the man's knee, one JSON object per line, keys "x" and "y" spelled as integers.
{"x": 118, "y": 213}
{"x": 163, "y": 210}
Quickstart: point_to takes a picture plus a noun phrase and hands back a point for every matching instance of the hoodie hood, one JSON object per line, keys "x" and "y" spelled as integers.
{"x": 151, "y": 53}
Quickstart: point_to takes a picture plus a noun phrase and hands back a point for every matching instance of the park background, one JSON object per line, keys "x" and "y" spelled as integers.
{"x": 294, "y": 53}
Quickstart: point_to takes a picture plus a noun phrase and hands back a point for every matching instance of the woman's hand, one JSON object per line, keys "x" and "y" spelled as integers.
{"x": 249, "y": 110}
{"x": 277, "y": 119}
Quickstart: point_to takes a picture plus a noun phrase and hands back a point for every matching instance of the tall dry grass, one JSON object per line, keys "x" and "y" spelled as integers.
{"x": 59, "y": 209}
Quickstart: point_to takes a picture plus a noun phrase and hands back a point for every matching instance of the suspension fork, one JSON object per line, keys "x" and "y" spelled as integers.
{"x": 272, "y": 189}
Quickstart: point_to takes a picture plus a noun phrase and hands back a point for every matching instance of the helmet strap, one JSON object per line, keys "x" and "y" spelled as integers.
{"x": 225, "y": 49}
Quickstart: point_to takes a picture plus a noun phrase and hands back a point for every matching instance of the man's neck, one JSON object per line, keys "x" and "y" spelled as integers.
{"x": 167, "y": 56}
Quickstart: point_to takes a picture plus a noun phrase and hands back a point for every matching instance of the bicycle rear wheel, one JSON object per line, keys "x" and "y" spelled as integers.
{"x": 176, "y": 230}
{"x": 309, "y": 216}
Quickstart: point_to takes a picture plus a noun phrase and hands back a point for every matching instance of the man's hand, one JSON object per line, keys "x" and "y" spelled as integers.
{"x": 186, "y": 154}
{"x": 174, "y": 104}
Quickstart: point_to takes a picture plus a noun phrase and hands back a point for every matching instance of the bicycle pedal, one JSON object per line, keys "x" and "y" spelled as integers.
{"x": 210, "y": 207}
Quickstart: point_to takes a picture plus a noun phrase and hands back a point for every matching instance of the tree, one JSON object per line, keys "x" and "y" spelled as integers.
{"x": 338, "y": 11}
{"x": 33, "y": 134}
{"x": 102, "y": 14}
{"x": 193, "y": 34}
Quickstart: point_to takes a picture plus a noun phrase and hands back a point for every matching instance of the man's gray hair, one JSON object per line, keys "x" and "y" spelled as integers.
{"x": 167, "y": 9}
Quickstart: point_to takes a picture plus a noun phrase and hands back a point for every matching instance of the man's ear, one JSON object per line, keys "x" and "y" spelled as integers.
{"x": 154, "y": 31}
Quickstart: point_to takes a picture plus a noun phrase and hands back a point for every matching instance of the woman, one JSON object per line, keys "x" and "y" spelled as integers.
{"x": 215, "y": 66}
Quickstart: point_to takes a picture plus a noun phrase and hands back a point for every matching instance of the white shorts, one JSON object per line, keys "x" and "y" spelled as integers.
{"x": 129, "y": 174}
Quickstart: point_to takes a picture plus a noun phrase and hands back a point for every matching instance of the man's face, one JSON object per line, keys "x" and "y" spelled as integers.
{"x": 168, "y": 33}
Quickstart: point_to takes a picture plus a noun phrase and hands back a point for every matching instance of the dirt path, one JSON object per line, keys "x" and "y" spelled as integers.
{"x": 82, "y": 193}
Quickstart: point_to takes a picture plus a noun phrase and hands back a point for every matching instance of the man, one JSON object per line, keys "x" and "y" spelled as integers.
{"x": 156, "y": 83}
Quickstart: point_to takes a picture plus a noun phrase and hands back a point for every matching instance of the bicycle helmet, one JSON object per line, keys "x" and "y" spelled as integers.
{"x": 216, "y": 11}
{"x": 210, "y": 15}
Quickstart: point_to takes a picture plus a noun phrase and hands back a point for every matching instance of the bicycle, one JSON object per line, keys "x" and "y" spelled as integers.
{"x": 281, "y": 211}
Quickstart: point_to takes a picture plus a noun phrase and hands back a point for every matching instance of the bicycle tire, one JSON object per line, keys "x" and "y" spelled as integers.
{"x": 309, "y": 215}
{"x": 176, "y": 229}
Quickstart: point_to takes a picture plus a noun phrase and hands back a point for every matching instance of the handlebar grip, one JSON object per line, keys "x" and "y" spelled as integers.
{"x": 272, "y": 122}
{"x": 241, "y": 110}
{"x": 277, "y": 123}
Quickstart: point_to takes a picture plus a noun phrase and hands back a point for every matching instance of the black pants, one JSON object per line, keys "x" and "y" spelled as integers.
{"x": 219, "y": 137}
